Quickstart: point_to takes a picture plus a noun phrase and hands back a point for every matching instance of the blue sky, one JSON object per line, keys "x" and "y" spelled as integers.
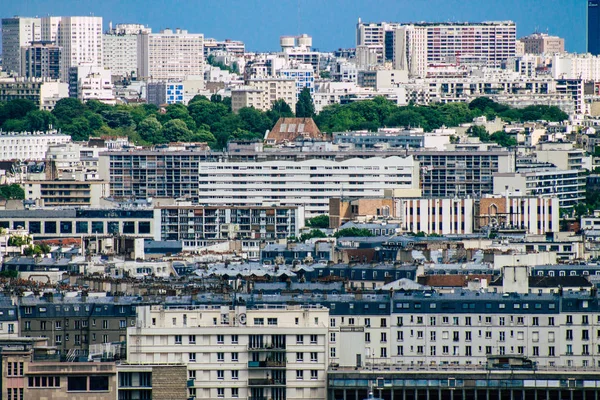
{"x": 259, "y": 23}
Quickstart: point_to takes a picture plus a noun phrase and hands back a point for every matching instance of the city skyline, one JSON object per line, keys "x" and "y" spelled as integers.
{"x": 260, "y": 24}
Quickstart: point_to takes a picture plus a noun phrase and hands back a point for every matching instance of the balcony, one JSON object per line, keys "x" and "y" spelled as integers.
{"x": 266, "y": 347}
{"x": 266, "y": 382}
{"x": 266, "y": 364}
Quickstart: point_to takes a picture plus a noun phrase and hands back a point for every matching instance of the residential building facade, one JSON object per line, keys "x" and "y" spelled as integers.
{"x": 275, "y": 352}
{"x": 170, "y": 55}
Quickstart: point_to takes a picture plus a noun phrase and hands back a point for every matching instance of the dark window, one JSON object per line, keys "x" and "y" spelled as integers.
{"x": 17, "y": 224}
{"x": 113, "y": 227}
{"x": 81, "y": 226}
{"x": 128, "y": 227}
{"x": 35, "y": 227}
{"x": 144, "y": 227}
{"x": 66, "y": 227}
{"x": 97, "y": 227}
{"x": 50, "y": 227}
{"x": 76, "y": 383}
{"x": 98, "y": 382}
{"x": 4, "y": 224}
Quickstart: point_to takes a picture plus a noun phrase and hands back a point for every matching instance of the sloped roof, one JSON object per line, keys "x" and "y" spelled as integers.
{"x": 450, "y": 280}
{"x": 287, "y": 130}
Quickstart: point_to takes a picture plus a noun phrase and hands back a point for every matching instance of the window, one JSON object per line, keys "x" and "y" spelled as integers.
{"x": 105, "y": 324}
{"x": 551, "y": 351}
{"x": 535, "y": 321}
{"x": 299, "y": 374}
{"x": 299, "y": 339}
{"x": 220, "y": 339}
{"x": 98, "y": 383}
{"x": 235, "y": 392}
{"x": 192, "y": 339}
{"x": 314, "y": 374}
{"x": 331, "y": 337}
{"x": 383, "y": 337}
{"x": 122, "y": 324}
{"x": 220, "y": 392}
{"x": 313, "y": 356}
{"x": 313, "y": 339}
{"x": 221, "y": 374}
{"x": 383, "y": 322}
{"x": 299, "y": 357}
{"x": 235, "y": 357}
{"x": 551, "y": 321}
{"x": 192, "y": 357}
{"x": 569, "y": 319}
{"x": 235, "y": 374}
{"x": 332, "y": 322}
{"x": 234, "y": 339}
{"x": 271, "y": 321}
{"x": 220, "y": 357}
{"x": 177, "y": 339}
{"x": 76, "y": 383}
{"x": 383, "y": 352}
{"x": 259, "y": 321}
{"x": 332, "y": 352}
{"x": 44, "y": 381}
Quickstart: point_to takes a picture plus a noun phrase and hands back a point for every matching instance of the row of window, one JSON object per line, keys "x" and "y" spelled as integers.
{"x": 101, "y": 227}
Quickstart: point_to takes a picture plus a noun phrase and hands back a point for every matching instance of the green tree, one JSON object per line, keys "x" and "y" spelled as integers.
{"x": 503, "y": 139}
{"x": 320, "y": 221}
{"x": 204, "y": 136}
{"x": 254, "y": 120}
{"x": 79, "y": 129}
{"x": 176, "y": 130}
{"x": 9, "y": 273}
{"x": 16, "y": 109}
{"x": 353, "y": 232}
{"x": 315, "y": 233}
{"x": 479, "y": 132}
{"x": 279, "y": 109}
{"x": 207, "y": 112}
{"x": 12, "y": 192}
{"x": 304, "y": 106}
{"x": 151, "y": 130}
{"x": 40, "y": 120}
{"x": 14, "y": 125}
{"x": 405, "y": 117}
{"x": 117, "y": 118}
{"x": 67, "y": 109}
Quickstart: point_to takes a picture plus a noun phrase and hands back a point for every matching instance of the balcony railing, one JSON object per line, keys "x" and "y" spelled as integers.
{"x": 266, "y": 382}
{"x": 266, "y": 364}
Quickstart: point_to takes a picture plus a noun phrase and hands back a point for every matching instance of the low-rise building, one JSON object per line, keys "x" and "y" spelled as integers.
{"x": 43, "y": 92}
{"x": 261, "y": 93}
{"x": 66, "y": 193}
{"x": 29, "y": 146}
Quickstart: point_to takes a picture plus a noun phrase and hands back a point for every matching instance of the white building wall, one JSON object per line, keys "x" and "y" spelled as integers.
{"x": 28, "y": 146}
{"x": 307, "y": 183}
{"x": 222, "y": 350}
{"x": 79, "y": 37}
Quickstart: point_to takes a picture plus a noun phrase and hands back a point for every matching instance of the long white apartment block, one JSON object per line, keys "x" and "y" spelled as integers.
{"x": 309, "y": 183}
{"x": 487, "y": 42}
{"x": 28, "y": 146}
{"x": 262, "y": 352}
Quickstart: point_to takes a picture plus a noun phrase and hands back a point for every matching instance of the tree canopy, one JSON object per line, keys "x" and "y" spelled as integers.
{"x": 212, "y": 120}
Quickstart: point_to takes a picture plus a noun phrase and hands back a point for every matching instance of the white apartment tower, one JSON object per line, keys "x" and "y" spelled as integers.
{"x": 120, "y": 48}
{"x": 170, "y": 55}
{"x": 79, "y": 37}
{"x": 17, "y": 32}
